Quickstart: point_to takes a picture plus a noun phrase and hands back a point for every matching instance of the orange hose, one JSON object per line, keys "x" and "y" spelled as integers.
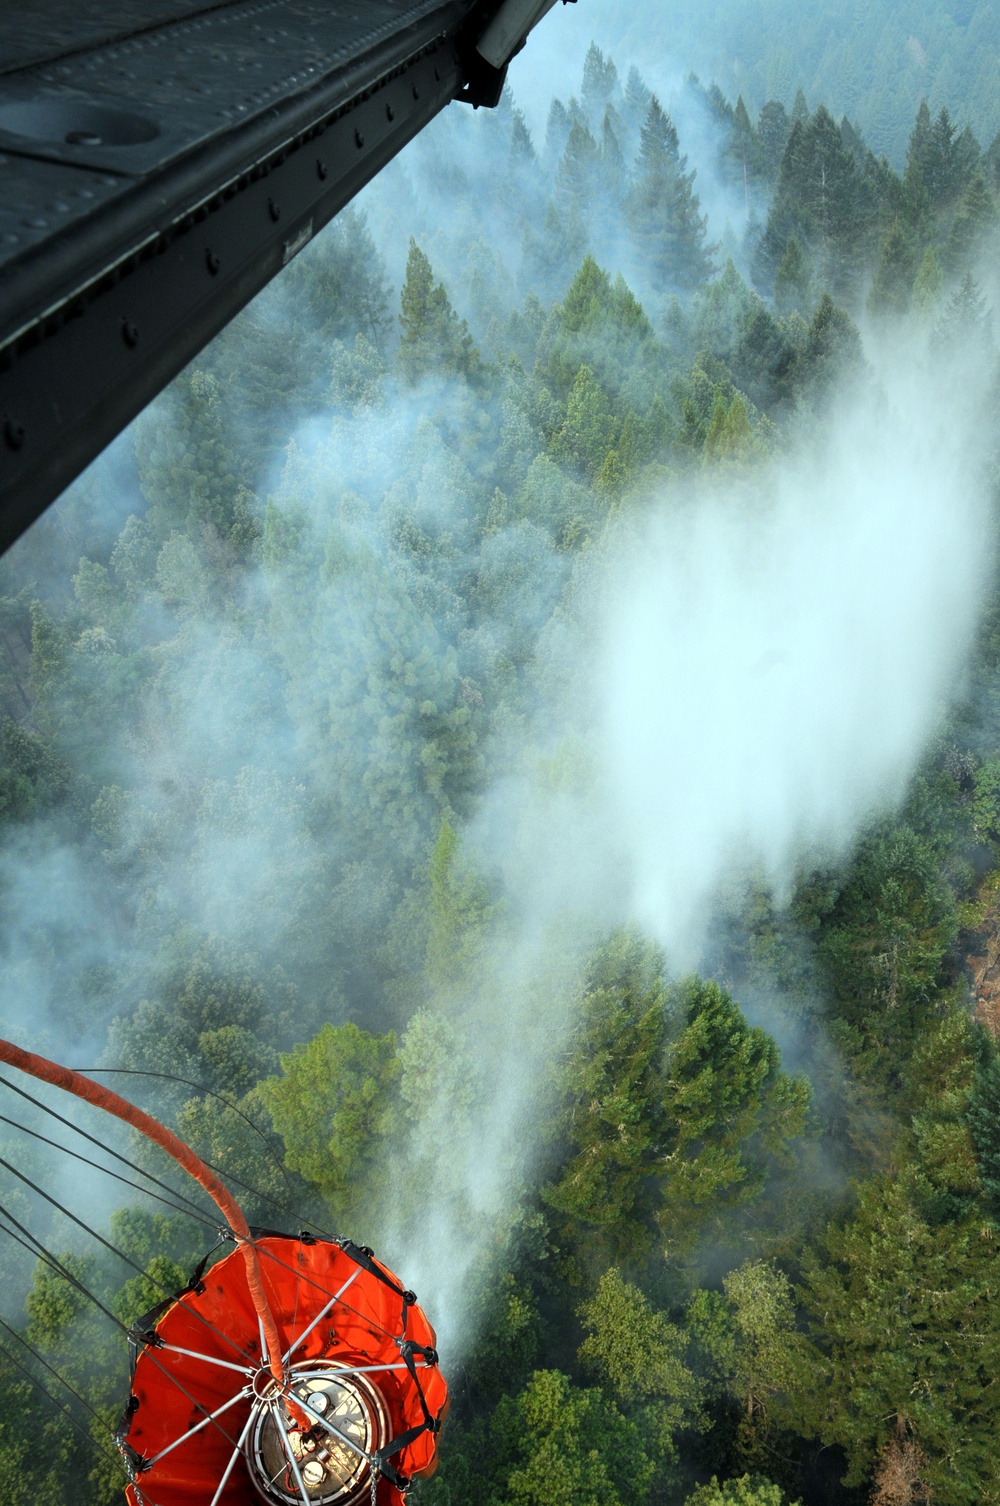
{"x": 112, "y": 1103}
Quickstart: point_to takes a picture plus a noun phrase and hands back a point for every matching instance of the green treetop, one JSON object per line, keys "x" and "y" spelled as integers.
{"x": 663, "y": 208}
{"x": 434, "y": 342}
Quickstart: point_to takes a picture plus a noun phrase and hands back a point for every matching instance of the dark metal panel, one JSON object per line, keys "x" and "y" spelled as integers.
{"x": 233, "y": 138}
{"x": 45, "y": 29}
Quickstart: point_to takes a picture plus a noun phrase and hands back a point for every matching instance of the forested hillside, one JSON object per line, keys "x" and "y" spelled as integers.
{"x": 299, "y": 809}
{"x": 872, "y": 63}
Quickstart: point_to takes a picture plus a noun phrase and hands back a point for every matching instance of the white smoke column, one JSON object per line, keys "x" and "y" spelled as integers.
{"x": 773, "y": 665}
{"x": 748, "y": 671}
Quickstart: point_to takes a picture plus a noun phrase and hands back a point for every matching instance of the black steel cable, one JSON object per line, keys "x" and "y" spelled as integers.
{"x": 100, "y": 1144}
{"x": 281, "y": 1208}
{"x": 146, "y": 1192}
{"x": 40, "y": 1192}
{"x": 59, "y": 1406}
{"x": 170, "y": 1077}
{"x": 41, "y": 1253}
{"x": 53, "y": 1371}
{"x": 36, "y": 1248}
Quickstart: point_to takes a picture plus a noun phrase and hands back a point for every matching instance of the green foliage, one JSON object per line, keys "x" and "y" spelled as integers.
{"x": 904, "y": 1311}
{"x": 570, "y": 1447}
{"x": 822, "y": 200}
{"x": 638, "y": 1353}
{"x": 335, "y": 1106}
{"x": 894, "y": 276}
{"x": 259, "y": 728}
{"x": 983, "y": 1118}
{"x": 731, "y": 1108}
{"x": 459, "y": 910}
{"x": 747, "y": 1490}
{"x": 663, "y": 207}
{"x": 32, "y": 777}
{"x": 54, "y": 1302}
{"x": 39, "y": 1451}
{"x": 664, "y": 1133}
{"x": 767, "y": 1352}
{"x": 434, "y": 341}
{"x": 613, "y": 1087}
{"x": 887, "y": 938}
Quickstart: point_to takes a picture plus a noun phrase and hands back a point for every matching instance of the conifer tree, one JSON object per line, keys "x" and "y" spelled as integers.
{"x": 975, "y": 216}
{"x": 928, "y": 282}
{"x": 556, "y": 133}
{"x": 773, "y": 126}
{"x": 965, "y": 328}
{"x": 822, "y": 199}
{"x": 636, "y": 101}
{"x": 793, "y": 283}
{"x": 663, "y": 208}
{"x": 600, "y": 82}
{"x": 434, "y": 342}
{"x": 742, "y": 153}
{"x": 893, "y": 282}
{"x": 576, "y": 184}
{"x": 522, "y": 150}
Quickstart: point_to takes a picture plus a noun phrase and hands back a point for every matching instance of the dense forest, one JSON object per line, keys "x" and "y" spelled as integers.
{"x": 297, "y": 798}
{"x": 873, "y": 63}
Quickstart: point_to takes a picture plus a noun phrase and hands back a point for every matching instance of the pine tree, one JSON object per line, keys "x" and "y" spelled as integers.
{"x": 976, "y": 215}
{"x": 965, "y": 328}
{"x": 823, "y": 201}
{"x": 600, "y": 82}
{"x": 928, "y": 282}
{"x": 893, "y": 283}
{"x": 434, "y": 341}
{"x": 522, "y": 150}
{"x": 773, "y": 126}
{"x": 556, "y": 133}
{"x": 663, "y": 209}
{"x": 793, "y": 282}
{"x": 742, "y": 154}
{"x": 903, "y": 1307}
{"x": 832, "y": 351}
{"x": 939, "y": 161}
{"x": 991, "y": 163}
{"x": 636, "y": 101}
{"x": 192, "y": 475}
{"x": 612, "y": 158}
{"x": 576, "y": 184}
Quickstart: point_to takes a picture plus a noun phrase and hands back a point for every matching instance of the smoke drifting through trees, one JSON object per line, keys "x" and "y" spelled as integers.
{"x": 450, "y": 667}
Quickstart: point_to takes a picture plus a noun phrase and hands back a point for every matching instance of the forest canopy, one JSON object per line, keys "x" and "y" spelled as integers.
{"x": 275, "y": 670}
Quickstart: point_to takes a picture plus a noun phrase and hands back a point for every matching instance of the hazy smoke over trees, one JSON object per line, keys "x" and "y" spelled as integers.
{"x": 555, "y": 583}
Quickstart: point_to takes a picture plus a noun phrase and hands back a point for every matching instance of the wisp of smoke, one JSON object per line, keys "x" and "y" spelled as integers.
{"x": 775, "y": 656}
{"x": 755, "y": 667}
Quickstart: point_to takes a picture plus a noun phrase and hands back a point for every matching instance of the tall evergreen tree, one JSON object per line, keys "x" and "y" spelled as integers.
{"x": 773, "y": 126}
{"x": 600, "y": 82}
{"x": 821, "y": 199}
{"x": 667, "y": 228}
{"x": 434, "y": 342}
{"x": 893, "y": 284}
